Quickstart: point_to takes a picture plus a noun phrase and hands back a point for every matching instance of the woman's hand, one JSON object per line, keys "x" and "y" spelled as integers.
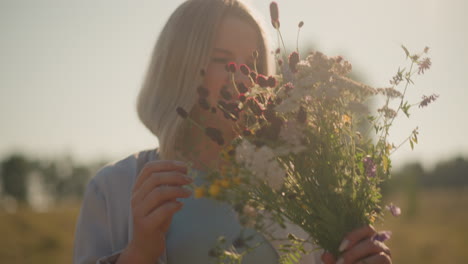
{"x": 359, "y": 247}
{"x": 153, "y": 206}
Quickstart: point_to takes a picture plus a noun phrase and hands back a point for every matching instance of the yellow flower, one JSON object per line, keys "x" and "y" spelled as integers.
{"x": 372, "y": 219}
{"x": 225, "y": 183}
{"x": 214, "y": 190}
{"x": 225, "y": 152}
{"x": 237, "y": 180}
{"x": 199, "y": 192}
{"x": 217, "y": 182}
{"x": 346, "y": 119}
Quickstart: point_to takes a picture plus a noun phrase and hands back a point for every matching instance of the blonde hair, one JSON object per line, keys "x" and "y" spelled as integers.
{"x": 183, "y": 49}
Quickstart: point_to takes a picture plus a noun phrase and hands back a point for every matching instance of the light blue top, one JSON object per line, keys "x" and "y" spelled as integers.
{"x": 105, "y": 225}
{"x": 195, "y": 229}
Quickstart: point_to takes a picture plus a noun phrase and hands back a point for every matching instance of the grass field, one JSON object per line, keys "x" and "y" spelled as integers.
{"x": 433, "y": 229}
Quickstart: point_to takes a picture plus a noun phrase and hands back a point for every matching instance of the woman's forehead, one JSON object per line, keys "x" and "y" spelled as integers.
{"x": 236, "y": 37}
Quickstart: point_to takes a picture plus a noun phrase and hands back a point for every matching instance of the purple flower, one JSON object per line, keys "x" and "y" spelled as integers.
{"x": 427, "y": 100}
{"x": 382, "y": 236}
{"x": 369, "y": 167}
{"x": 425, "y": 64}
{"x": 395, "y": 210}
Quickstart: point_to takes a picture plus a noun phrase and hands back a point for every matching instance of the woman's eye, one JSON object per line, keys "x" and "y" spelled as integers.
{"x": 220, "y": 60}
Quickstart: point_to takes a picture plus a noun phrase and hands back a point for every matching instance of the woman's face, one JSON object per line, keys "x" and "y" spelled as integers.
{"x": 235, "y": 42}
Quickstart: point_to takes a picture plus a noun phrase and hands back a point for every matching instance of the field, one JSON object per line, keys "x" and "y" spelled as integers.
{"x": 433, "y": 229}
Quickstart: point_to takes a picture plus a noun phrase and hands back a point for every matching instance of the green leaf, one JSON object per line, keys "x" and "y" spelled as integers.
{"x": 406, "y": 51}
{"x": 406, "y": 108}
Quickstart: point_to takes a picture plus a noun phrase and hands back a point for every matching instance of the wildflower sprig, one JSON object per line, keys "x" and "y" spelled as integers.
{"x": 302, "y": 155}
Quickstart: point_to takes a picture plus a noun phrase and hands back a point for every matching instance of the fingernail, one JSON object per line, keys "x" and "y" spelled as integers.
{"x": 340, "y": 261}
{"x": 343, "y": 245}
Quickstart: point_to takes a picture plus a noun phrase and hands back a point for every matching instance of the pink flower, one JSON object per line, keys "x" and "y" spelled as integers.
{"x": 427, "y": 100}
{"x": 395, "y": 210}
{"x": 425, "y": 64}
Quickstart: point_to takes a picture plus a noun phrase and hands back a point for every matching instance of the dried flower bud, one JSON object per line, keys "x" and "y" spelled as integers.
{"x": 204, "y": 103}
{"x": 245, "y": 69}
{"x": 232, "y": 67}
{"x": 242, "y": 98}
{"x": 253, "y": 75}
{"x": 274, "y": 14}
{"x": 301, "y": 24}
{"x": 280, "y": 62}
{"x": 182, "y": 113}
{"x": 255, "y": 107}
{"x": 215, "y": 135}
{"x": 278, "y": 50}
{"x": 271, "y": 81}
{"x": 262, "y": 81}
{"x": 242, "y": 88}
{"x": 226, "y": 94}
{"x": 293, "y": 61}
{"x": 202, "y": 91}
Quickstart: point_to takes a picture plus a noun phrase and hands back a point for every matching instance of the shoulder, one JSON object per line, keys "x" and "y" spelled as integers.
{"x": 117, "y": 177}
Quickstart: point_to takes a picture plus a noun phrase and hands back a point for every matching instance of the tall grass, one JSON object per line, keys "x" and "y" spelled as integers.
{"x": 432, "y": 229}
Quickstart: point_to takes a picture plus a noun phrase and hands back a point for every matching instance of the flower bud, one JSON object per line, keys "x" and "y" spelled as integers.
{"x": 274, "y": 14}
{"x": 232, "y": 67}
{"x": 271, "y": 81}
{"x": 293, "y": 61}
{"x": 182, "y": 113}
{"x": 262, "y": 81}
{"x": 245, "y": 69}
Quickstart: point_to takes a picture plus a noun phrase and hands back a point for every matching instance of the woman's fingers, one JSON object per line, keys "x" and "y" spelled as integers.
{"x": 161, "y": 194}
{"x": 380, "y": 258}
{"x": 328, "y": 258}
{"x": 163, "y": 214}
{"x": 158, "y": 166}
{"x": 158, "y": 179}
{"x": 363, "y": 250}
{"x": 356, "y": 236}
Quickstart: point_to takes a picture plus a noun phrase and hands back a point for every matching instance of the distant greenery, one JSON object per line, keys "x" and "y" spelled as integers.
{"x": 60, "y": 180}
{"x": 64, "y": 179}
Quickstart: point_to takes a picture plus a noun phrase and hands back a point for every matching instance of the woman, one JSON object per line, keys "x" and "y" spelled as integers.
{"x": 137, "y": 210}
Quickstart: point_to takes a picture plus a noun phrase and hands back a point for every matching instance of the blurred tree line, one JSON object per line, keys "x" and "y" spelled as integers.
{"x": 65, "y": 180}
{"x": 451, "y": 174}
{"x": 25, "y": 179}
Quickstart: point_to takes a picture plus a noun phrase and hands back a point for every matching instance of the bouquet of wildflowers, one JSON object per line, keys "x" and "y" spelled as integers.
{"x": 309, "y": 150}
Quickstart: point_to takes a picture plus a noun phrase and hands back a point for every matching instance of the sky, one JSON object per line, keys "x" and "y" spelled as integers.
{"x": 70, "y": 71}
